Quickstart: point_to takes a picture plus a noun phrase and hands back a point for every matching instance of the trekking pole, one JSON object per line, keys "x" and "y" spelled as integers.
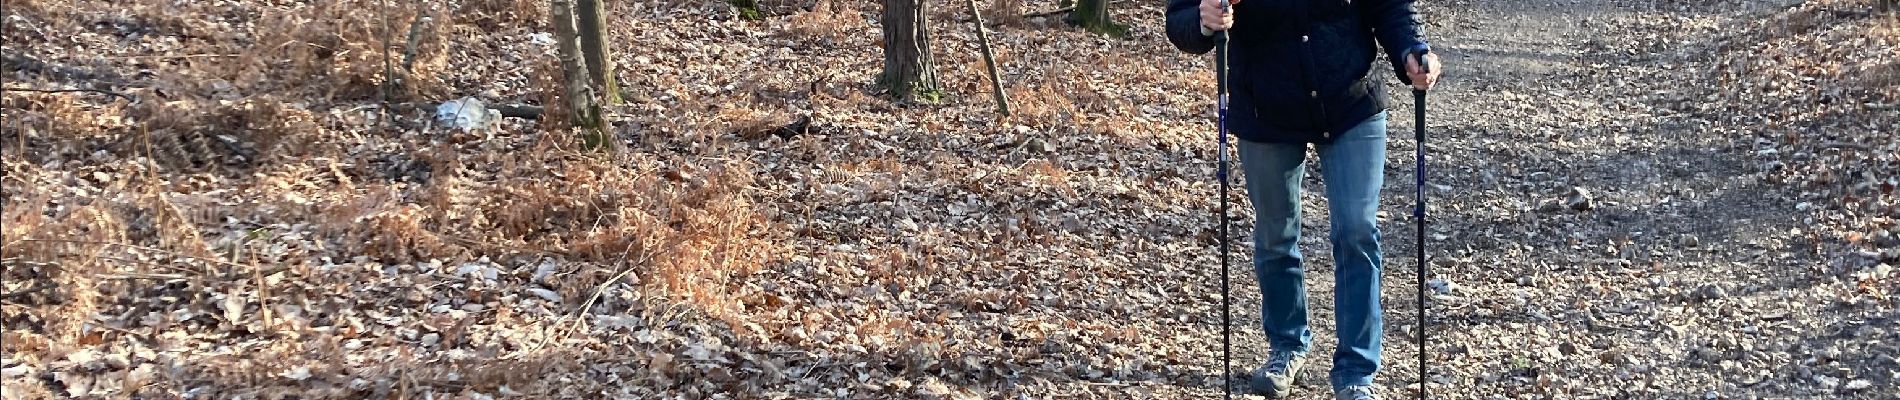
{"x": 1226, "y": 316}
{"x": 1418, "y": 211}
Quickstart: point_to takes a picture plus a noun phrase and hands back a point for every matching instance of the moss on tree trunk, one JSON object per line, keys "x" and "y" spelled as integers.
{"x": 579, "y": 92}
{"x": 594, "y": 39}
{"x": 748, "y": 9}
{"x": 1093, "y": 16}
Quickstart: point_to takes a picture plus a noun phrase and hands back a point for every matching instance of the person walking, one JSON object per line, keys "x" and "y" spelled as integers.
{"x": 1299, "y": 74}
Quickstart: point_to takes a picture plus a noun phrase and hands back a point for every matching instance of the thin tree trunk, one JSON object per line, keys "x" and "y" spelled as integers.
{"x": 409, "y": 49}
{"x": 580, "y": 96}
{"x": 989, "y": 59}
{"x": 594, "y": 39}
{"x": 908, "y": 74}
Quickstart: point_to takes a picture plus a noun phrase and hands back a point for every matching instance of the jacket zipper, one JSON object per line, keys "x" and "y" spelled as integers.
{"x": 1312, "y": 70}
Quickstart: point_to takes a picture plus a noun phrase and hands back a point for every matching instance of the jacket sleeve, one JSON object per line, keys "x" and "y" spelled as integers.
{"x": 1184, "y": 27}
{"x": 1396, "y": 25}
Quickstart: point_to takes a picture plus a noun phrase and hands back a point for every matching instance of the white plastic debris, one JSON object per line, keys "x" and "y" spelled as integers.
{"x": 298, "y": 373}
{"x": 16, "y": 371}
{"x": 545, "y": 294}
{"x": 1858, "y": 384}
{"x": 541, "y": 38}
{"x": 467, "y": 114}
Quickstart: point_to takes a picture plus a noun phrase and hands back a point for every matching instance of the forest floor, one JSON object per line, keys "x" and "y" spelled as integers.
{"x": 1629, "y": 199}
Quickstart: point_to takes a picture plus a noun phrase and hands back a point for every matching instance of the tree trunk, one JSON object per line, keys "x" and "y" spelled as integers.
{"x": 908, "y": 74}
{"x": 594, "y": 39}
{"x": 748, "y": 9}
{"x": 580, "y": 96}
{"x": 409, "y": 49}
{"x": 1093, "y": 16}
{"x": 989, "y": 59}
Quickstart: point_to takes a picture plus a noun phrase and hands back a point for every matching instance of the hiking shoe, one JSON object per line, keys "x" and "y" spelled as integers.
{"x": 1275, "y": 379}
{"x": 1361, "y": 392}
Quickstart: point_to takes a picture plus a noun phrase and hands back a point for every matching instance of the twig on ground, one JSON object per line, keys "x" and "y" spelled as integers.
{"x": 1593, "y": 323}
{"x": 169, "y": 56}
{"x": 27, "y": 291}
{"x": 18, "y": 262}
{"x": 127, "y": 97}
{"x": 491, "y": 247}
{"x": 166, "y": 277}
{"x": 138, "y": 247}
{"x": 124, "y": 332}
{"x": 1049, "y": 13}
{"x": 1839, "y": 145}
{"x": 522, "y": 111}
{"x": 151, "y": 263}
{"x": 1058, "y": 11}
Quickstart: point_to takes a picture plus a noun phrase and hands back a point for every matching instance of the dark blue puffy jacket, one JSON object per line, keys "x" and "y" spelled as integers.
{"x": 1299, "y": 70}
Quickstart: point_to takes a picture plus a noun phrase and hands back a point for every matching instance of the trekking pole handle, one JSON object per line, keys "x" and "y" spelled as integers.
{"x": 1418, "y": 54}
{"x": 1220, "y": 36}
{"x": 1220, "y": 67}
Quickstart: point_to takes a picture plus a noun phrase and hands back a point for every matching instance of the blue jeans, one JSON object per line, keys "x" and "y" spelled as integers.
{"x": 1353, "y": 169}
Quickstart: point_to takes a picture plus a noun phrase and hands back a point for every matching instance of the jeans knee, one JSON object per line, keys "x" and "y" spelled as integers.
{"x": 1275, "y": 249}
{"x": 1276, "y": 258}
{"x": 1276, "y": 238}
{"x": 1361, "y": 236}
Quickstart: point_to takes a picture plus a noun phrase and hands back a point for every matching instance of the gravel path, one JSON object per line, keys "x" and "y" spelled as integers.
{"x": 1598, "y": 245}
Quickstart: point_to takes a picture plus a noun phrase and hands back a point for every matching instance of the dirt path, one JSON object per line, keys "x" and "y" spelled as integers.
{"x": 1689, "y": 275}
{"x": 1686, "y": 275}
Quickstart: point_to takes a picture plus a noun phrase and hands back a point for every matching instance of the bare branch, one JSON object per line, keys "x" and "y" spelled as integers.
{"x": 1050, "y": 12}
